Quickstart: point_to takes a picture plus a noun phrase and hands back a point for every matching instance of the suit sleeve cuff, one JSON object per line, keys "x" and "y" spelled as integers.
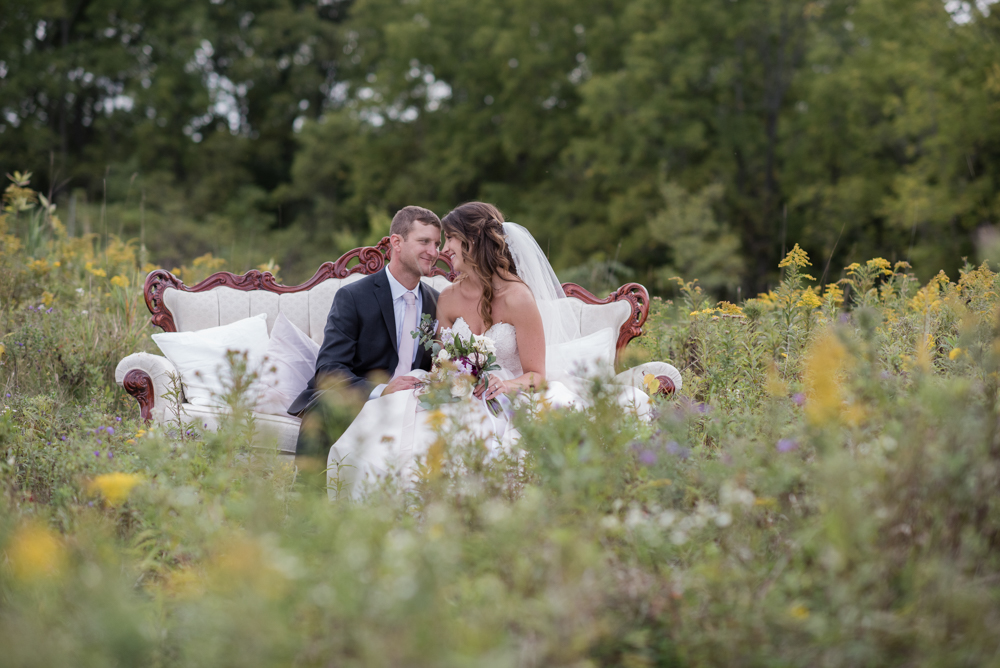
{"x": 377, "y": 392}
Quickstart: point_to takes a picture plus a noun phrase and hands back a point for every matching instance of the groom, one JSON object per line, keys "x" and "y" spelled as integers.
{"x": 368, "y": 334}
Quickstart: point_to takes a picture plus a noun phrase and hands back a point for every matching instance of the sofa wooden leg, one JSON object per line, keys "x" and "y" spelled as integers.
{"x": 666, "y": 386}
{"x": 139, "y": 384}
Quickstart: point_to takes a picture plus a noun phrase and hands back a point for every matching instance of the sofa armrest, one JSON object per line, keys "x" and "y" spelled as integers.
{"x": 667, "y": 374}
{"x": 148, "y": 378}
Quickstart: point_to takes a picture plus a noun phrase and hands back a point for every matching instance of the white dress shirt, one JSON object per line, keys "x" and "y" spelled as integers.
{"x": 399, "y": 310}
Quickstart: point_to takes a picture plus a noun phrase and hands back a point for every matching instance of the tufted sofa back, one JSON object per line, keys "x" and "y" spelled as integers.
{"x": 222, "y": 305}
{"x": 224, "y": 298}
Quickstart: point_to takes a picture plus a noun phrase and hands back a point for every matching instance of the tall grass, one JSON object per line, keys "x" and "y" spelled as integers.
{"x": 822, "y": 492}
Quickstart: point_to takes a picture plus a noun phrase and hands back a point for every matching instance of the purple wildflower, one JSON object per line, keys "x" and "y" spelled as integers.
{"x": 787, "y": 445}
{"x": 62, "y": 438}
{"x": 110, "y": 430}
{"x": 647, "y": 457}
{"x": 799, "y": 398}
{"x": 118, "y": 419}
{"x": 98, "y": 441}
{"x": 675, "y": 449}
{"x": 8, "y": 395}
{"x": 97, "y": 453}
{"x": 110, "y": 455}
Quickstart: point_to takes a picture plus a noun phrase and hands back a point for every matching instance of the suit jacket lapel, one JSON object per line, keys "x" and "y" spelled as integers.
{"x": 384, "y": 296}
{"x": 430, "y": 308}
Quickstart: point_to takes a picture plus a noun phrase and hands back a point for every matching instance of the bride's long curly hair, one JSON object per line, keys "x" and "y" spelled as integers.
{"x": 479, "y": 226}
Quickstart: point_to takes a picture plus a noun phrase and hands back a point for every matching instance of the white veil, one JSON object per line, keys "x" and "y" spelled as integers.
{"x": 534, "y": 269}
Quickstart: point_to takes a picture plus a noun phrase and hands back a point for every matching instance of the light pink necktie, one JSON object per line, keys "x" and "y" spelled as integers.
{"x": 406, "y": 341}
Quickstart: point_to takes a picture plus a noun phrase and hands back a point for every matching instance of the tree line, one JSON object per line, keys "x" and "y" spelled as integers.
{"x": 638, "y": 139}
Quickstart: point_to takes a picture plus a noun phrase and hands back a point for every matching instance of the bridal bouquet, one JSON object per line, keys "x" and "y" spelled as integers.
{"x": 460, "y": 364}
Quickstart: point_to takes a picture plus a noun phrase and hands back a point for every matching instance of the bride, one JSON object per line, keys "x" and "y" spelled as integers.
{"x": 505, "y": 291}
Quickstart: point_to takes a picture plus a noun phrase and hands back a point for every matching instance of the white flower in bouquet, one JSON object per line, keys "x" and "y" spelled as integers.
{"x": 443, "y": 355}
{"x": 485, "y": 345}
{"x": 479, "y": 359}
{"x": 461, "y": 387}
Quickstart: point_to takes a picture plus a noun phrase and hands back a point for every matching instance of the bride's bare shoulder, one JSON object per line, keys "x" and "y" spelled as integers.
{"x": 517, "y": 295}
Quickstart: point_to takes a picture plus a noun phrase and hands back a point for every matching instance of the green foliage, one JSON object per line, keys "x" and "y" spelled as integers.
{"x": 651, "y": 134}
{"x": 822, "y": 491}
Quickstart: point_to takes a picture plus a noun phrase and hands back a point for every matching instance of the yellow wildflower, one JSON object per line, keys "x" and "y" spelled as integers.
{"x": 776, "y": 387}
{"x": 39, "y": 266}
{"x": 728, "y": 308}
{"x": 852, "y": 267}
{"x": 795, "y": 258}
{"x": 955, "y": 352}
{"x": 880, "y": 264}
{"x": 148, "y": 267}
{"x": 809, "y": 300}
{"x": 36, "y": 552}
{"x": 436, "y": 419}
{"x": 100, "y": 273}
{"x": 651, "y": 384}
{"x": 120, "y": 281}
{"x": 115, "y": 487}
{"x": 823, "y": 363}
{"x": 57, "y": 263}
{"x": 834, "y": 295}
{"x": 3, "y": 349}
{"x": 768, "y": 298}
{"x": 48, "y": 298}
{"x": 799, "y": 612}
{"x": 902, "y": 264}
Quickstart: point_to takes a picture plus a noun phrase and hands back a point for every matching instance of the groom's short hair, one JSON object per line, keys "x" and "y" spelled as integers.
{"x": 403, "y": 221}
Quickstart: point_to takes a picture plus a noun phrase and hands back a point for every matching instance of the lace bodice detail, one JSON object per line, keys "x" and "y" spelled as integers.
{"x": 504, "y": 338}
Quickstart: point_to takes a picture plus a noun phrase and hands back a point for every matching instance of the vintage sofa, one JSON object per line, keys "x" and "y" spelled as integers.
{"x": 224, "y": 298}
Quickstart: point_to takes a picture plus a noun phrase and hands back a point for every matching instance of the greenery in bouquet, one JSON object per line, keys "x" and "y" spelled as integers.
{"x": 460, "y": 365}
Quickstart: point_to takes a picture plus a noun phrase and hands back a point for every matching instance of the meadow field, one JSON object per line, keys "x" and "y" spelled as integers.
{"x": 822, "y": 492}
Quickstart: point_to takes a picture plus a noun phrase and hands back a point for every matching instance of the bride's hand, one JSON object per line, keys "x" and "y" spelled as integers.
{"x": 496, "y": 388}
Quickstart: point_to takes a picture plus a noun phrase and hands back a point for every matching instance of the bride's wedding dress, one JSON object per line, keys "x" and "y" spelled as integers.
{"x": 392, "y": 432}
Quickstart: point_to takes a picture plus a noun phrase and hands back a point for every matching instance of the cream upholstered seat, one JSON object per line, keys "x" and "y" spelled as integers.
{"x": 225, "y": 298}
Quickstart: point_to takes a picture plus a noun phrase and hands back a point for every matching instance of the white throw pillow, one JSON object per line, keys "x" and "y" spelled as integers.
{"x": 289, "y": 364}
{"x": 200, "y": 356}
{"x": 574, "y": 361}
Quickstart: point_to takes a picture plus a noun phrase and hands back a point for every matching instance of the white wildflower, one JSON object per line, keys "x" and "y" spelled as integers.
{"x": 667, "y": 518}
{"x": 732, "y": 494}
{"x": 723, "y": 519}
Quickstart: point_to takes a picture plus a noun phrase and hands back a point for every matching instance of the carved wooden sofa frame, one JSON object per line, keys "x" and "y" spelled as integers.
{"x": 370, "y": 259}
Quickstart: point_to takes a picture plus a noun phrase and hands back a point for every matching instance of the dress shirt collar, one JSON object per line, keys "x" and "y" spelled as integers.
{"x": 397, "y": 289}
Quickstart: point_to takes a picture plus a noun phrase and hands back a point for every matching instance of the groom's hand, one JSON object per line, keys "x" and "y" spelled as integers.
{"x": 401, "y": 383}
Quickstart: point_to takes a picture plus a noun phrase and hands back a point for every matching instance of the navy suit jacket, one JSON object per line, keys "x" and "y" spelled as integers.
{"x": 360, "y": 337}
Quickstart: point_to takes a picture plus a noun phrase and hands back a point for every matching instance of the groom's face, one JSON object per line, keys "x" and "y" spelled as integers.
{"x": 418, "y": 252}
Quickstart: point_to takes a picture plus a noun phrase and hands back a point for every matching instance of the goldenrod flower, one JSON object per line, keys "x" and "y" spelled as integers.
{"x": 823, "y": 363}
{"x": 852, "y": 267}
{"x": 796, "y": 258}
{"x": 436, "y": 419}
{"x": 834, "y": 294}
{"x": 48, "y": 298}
{"x": 36, "y": 552}
{"x": 880, "y": 264}
{"x": 799, "y": 612}
{"x": 100, "y": 273}
{"x": 955, "y": 352}
{"x": 810, "y": 300}
{"x": 120, "y": 281}
{"x": 115, "y": 487}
